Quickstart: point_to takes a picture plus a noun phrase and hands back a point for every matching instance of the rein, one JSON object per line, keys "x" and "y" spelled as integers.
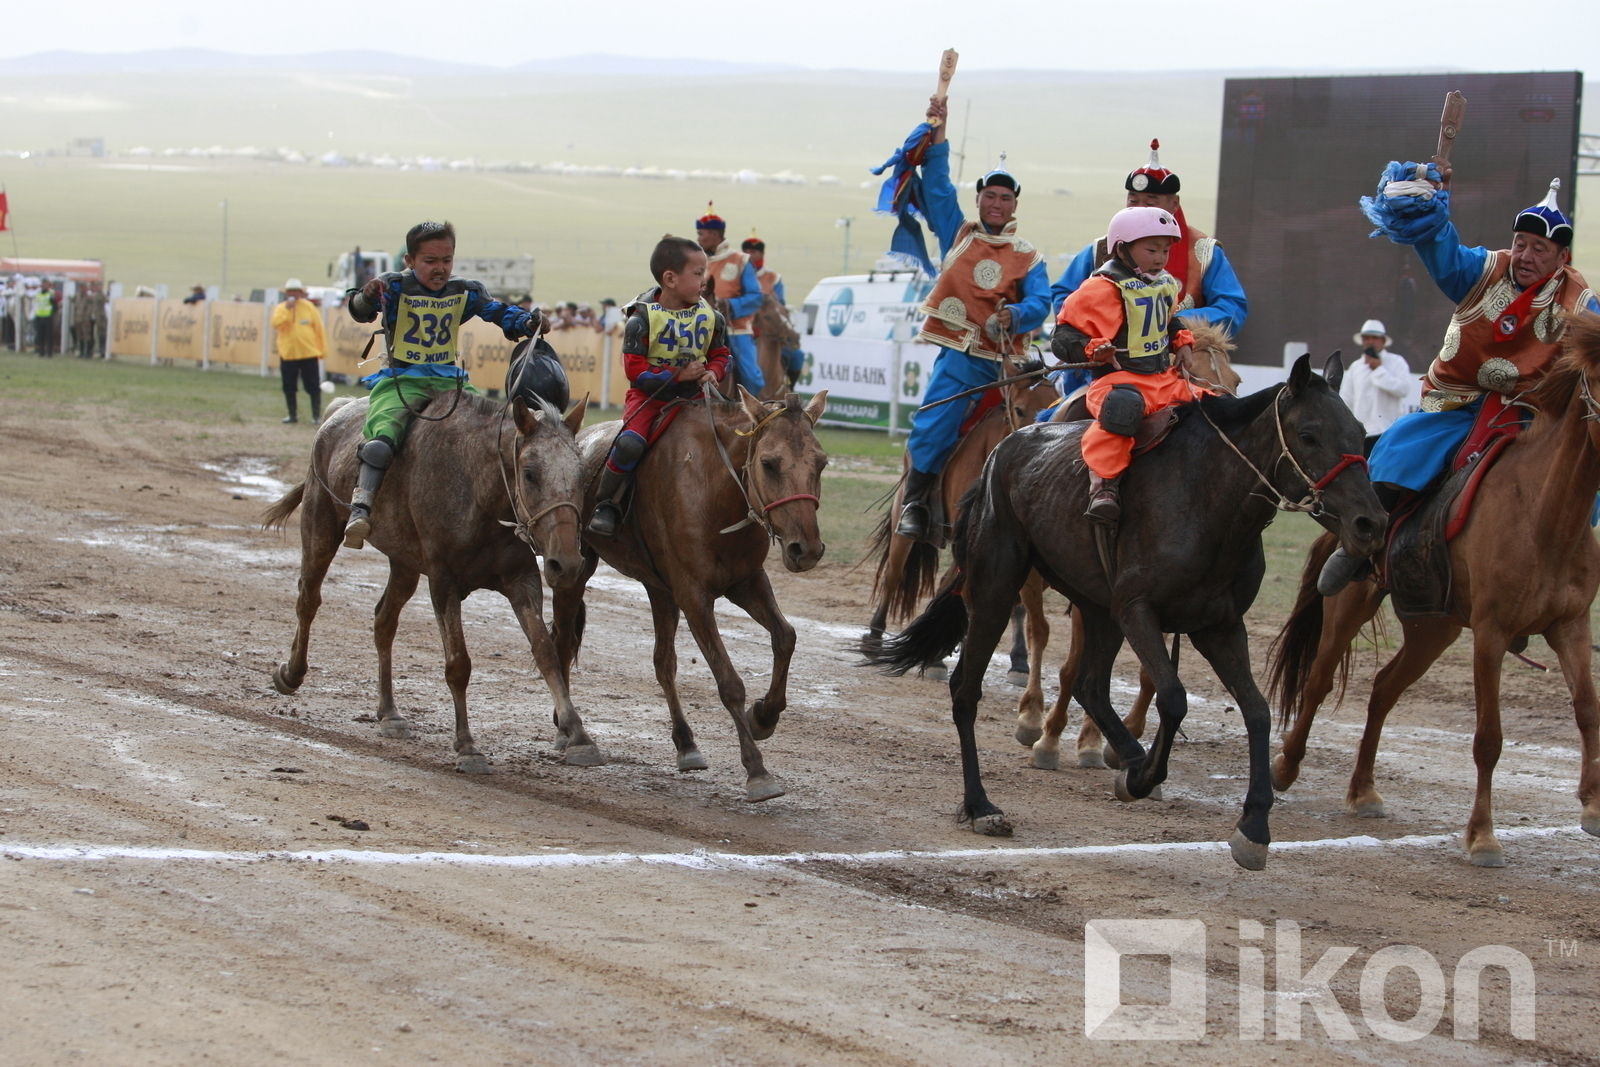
{"x": 1311, "y": 502}
{"x": 522, "y": 523}
{"x": 741, "y": 479}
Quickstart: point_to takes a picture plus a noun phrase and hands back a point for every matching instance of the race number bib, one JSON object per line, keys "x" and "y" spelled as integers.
{"x": 678, "y": 338}
{"x": 1147, "y": 308}
{"x": 425, "y": 327}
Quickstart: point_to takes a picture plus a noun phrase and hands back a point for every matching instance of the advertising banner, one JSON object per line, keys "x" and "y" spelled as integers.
{"x": 180, "y": 330}
{"x": 346, "y": 338}
{"x": 237, "y": 333}
{"x": 869, "y": 383}
{"x": 133, "y": 324}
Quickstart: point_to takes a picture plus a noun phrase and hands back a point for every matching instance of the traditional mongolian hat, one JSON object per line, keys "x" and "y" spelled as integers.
{"x": 1545, "y": 219}
{"x": 753, "y": 244}
{"x": 1001, "y": 177}
{"x": 1152, "y": 177}
{"x": 710, "y": 220}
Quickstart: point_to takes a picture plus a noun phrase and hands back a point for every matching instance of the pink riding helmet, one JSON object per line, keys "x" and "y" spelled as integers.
{"x": 1132, "y": 223}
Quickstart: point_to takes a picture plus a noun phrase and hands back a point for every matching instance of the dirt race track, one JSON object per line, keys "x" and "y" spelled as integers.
{"x": 158, "y": 802}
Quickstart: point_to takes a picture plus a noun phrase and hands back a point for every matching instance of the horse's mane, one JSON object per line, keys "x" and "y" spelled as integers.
{"x": 1580, "y": 344}
{"x": 479, "y": 404}
{"x": 1232, "y": 411}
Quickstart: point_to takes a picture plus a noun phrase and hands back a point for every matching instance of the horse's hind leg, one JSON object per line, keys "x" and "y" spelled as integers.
{"x": 702, "y": 619}
{"x": 1571, "y": 639}
{"x": 1047, "y": 749}
{"x": 1227, "y": 649}
{"x": 318, "y": 543}
{"x": 664, "y": 614}
{"x": 457, "y": 672}
{"x": 385, "y": 621}
{"x": 1424, "y": 642}
{"x": 1033, "y": 637}
{"x": 1344, "y": 616}
{"x": 754, "y": 595}
{"x": 527, "y": 603}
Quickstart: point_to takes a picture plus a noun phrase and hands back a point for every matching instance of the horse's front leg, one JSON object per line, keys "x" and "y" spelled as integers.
{"x": 1047, "y": 749}
{"x": 1425, "y": 640}
{"x": 568, "y": 615}
{"x": 457, "y": 671}
{"x": 1488, "y": 653}
{"x": 385, "y": 621}
{"x": 319, "y": 541}
{"x": 664, "y": 614}
{"x": 1571, "y": 640}
{"x": 1227, "y": 649}
{"x": 1343, "y": 617}
{"x": 1144, "y": 636}
{"x": 702, "y": 619}
{"x": 526, "y": 602}
{"x": 754, "y": 595}
{"x": 1033, "y": 636}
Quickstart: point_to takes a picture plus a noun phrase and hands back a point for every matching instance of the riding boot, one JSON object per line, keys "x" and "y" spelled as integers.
{"x": 375, "y": 456}
{"x": 608, "y": 503}
{"x": 914, "y": 512}
{"x": 294, "y": 408}
{"x": 1341, "y": 569}
{"x": 1105, "y": 504}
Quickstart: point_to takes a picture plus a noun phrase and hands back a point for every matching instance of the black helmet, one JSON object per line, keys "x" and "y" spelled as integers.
{"x": 536, "y": 371}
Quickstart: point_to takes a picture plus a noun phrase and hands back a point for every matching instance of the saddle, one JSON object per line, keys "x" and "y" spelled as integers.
{"x": 1416, "y": 567}
{"x": 1153, "y": 428}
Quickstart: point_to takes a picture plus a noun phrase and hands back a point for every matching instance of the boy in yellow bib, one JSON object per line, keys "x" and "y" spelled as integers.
{"x": 423, "y": 308}
{"x": 1121, "y": 318}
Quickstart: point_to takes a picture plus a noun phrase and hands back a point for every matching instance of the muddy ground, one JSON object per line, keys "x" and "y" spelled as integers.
{"x": 638, "y": 914}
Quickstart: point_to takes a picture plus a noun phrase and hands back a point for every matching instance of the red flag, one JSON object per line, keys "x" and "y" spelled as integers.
{"x": 3, "y": 209}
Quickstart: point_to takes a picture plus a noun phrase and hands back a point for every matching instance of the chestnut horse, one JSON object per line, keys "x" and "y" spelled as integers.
{"x": 1227, "y": 464}
{"x": 472, "y": 501}
{"x": 1525, "y": 563}
{"x": 774, "y": 332}
{"x": 724, "y": 482}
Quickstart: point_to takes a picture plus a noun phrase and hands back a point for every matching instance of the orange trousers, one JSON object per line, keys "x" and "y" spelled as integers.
{"x": 1107, "y": 454}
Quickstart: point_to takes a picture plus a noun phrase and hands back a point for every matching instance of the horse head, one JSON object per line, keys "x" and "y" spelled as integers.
{"x": 783, "y": 473}
{"x": 773, "y": 318}
{"x": 546, "y": 487}
{"x": 1321, "y": 442}
{"x": 1210, "y": 361}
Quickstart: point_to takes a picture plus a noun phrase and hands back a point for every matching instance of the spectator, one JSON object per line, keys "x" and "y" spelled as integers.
{"x": 44, "y": 321}
{"x": 301, "y": 345}
{"x": 1376, "y": 386}
{"x": 196, "y": 295}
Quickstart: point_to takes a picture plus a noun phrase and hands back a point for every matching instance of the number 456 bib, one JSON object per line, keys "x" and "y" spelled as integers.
{"x": 425, "y": 328}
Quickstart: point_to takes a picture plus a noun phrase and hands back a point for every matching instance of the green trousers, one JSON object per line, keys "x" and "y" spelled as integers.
{"x": 392, "y": 401}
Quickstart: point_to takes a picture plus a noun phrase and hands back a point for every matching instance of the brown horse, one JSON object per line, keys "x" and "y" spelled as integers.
{"x": 774, "y": 332}
{"x": 472, "y": 501}
{"x": 724, "y": 482}
{"x": 1525, "y": 563}
{"x": 1211, "y": 367}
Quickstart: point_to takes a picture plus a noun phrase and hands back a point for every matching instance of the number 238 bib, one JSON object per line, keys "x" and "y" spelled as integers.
{"x": 425, "y": 327}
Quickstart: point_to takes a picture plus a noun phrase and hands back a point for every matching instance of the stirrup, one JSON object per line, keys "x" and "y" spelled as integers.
{"x": 1341, "y": 569}
{"x": 1104, "y": 505}
{"x": 358, "y": 529}
{"x": 913, "y": 521}
{"x": 604, "y": 521}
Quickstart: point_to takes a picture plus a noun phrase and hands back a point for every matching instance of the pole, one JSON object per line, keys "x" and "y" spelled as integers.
{"x": 222, "y": 288}
{"x": 845, "y": 222}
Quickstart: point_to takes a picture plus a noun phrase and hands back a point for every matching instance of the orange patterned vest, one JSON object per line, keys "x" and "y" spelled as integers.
{"x": 1474, "y": 360}
{"x": 725, "y": 269}
{"x": 982, "y": 273}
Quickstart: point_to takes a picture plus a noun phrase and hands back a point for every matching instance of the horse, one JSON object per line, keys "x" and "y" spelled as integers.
{"x": 472, "y": 501}
{"x": 1209, "y": 366}
{"x": 1223, "y": 464}
{"x": 774, "y": 332}
{"x": 725, "y": 481}
{"x": 1524, "y": 563}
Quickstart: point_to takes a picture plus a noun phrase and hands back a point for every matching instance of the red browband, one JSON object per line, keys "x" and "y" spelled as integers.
{"x": 1346, "y": 460}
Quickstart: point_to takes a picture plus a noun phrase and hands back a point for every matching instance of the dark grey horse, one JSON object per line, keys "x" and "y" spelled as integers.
{"x": 1186, "y": 559}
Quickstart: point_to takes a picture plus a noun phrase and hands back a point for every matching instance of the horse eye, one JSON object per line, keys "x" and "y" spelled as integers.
{"x": 1307, "y": 438}
{"x": 769, "y": 465}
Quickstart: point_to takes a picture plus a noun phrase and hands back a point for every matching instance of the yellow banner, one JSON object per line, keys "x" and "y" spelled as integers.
{"x": 485, "y": 354}
{"x": 236, "y": 333}
{"x": 583, "y": 352}
{"x": 346, "y": 340}
{"x": 133, "y": 320}
{"x": 180, "y": 330}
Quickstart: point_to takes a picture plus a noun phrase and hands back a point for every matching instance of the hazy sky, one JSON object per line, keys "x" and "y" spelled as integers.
{"x": 1313, "y": 35}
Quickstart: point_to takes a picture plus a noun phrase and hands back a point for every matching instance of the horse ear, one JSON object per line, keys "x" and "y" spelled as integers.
{"x": 818, "y": 405}
{"x": 1333, "y": 370}
{"x": 1300, "y": 374}
{"x": 574, "y": 416}
{"x": 527, "y": 419}
{"x": 752, "y": 406}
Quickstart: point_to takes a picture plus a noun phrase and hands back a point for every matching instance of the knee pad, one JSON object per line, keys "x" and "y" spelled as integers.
{"x": 627, "y": 450}
{"x": 376, "y": 453}
{"x": 1122, "y": 410}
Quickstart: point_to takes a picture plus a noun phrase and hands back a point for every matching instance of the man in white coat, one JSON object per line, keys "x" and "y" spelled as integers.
{"x": 1379, "y": 387}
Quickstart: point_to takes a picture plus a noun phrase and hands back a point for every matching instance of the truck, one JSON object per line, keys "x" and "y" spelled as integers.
{"x": 506, "y": 277}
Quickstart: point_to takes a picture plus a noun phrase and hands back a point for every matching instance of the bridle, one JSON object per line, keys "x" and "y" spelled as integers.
{"x": 522, "y": 523}
{"x": 742, "y": 478}
{"x": 1311, "y": 502}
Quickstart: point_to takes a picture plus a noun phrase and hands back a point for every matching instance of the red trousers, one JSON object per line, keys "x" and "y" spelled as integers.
{"x": 1107, "y": 454}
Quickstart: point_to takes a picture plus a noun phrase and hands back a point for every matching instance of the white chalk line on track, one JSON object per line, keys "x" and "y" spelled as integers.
{"x": 704, "y": 860}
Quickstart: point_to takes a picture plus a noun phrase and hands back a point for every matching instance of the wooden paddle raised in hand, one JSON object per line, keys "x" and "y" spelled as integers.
{"x": 947, "y": 70}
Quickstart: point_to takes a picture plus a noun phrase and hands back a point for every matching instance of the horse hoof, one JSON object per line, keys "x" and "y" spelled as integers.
{"x": 561, "y": 741}
{"x": 936, "y": 673}
{"x": 399, "y": 729}
{"x": 1487, "y": 857}
{"x": 1092, "y": 758}
{"x": 1154, "y": 794}
{"x": 1109, "y": 755}
{"x": 1119, "y": 785}
{"x": 281, "y": 684}
{"x": 1283, "y": 773}
{"x": 765, "y": 787}
{"x": 692, "y": 760}
{"x": 762, "y": 724}
{"x": 1046, "y": 759}
{"x": 1247, "y": 853}
{"x": 1591, "y": 823}
{"x": 585, "y": 755}
{"x": 472, "y": 763}
{"x": 1017, "y": 678}
{"x": 1369, "y": 809}
{"x": 996, "y": 825}
{"x": 1027, "y": 736}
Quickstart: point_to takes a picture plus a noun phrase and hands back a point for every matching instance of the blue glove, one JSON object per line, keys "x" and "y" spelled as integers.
{"x": 1407, "y": 210}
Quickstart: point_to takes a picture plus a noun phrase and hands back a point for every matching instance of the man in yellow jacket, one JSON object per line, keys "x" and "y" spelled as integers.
{"x": 297, "y": 326}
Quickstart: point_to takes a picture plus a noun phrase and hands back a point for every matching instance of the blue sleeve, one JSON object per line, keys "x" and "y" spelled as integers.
{"x": 1593, "y": 305}
{"x": 777, "y": 293}
{"x": 748, "y": 302}
{"x": 1028, "y": 313}
{"x": 1225, "y": 302}
{"x": 513, "y": 321}
{"x": 1076, "y": 274}
{"x": 1454, "y": 268}
{"x": 939, "y": 196}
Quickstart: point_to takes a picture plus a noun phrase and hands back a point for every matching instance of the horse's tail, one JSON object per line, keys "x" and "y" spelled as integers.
{"x": 931, "y": 637}
{"x": 1294, "y": 650}
{"x": 273, "y": 518}
{"x": 901, "y": 593}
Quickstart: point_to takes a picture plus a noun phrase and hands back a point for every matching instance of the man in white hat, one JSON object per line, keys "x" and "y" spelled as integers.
{"x": 1379, "y": 387}
{"x": 301, "y": 345}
